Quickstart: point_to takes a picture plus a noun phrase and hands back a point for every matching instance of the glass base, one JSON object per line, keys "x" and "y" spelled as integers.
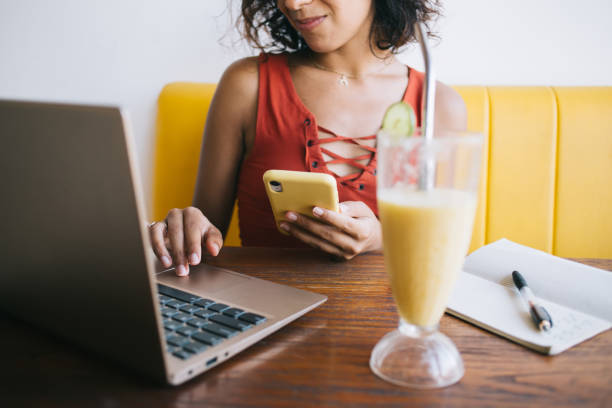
{"x": 418, "y": 357}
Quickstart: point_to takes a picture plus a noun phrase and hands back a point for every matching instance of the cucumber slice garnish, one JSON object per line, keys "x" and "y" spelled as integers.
{"x": 399, "y": 120}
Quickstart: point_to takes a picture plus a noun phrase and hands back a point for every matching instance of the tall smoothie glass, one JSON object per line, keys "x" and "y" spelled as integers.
{"x": 427, "y": 193}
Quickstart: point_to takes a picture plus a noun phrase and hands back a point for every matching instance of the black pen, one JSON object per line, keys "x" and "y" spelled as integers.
{"x": 539, "y": 315}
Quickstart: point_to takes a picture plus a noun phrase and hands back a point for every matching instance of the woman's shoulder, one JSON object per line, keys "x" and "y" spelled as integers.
{"x": 241, "y": 76}
{"x": 248, "y": 68}
{"x": 450, "y": 108}
{"x": 235, "y": 99}
{"x": 238, "y": 87}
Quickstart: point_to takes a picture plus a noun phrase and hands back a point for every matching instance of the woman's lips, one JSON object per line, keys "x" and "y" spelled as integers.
{"x": 306, "y": 24}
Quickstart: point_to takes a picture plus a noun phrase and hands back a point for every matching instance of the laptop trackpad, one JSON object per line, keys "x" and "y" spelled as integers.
{"x": 204, "y": 279}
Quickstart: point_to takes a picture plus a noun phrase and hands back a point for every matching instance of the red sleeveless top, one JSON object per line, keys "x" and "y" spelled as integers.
{"x": 286, "y": 138}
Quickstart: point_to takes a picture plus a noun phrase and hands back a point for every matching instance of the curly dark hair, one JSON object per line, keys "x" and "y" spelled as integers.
{"x": 392, "y": 27}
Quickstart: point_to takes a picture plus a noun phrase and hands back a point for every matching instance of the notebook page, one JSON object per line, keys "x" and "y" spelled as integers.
{"x": 564, "y": 282}
{"x": 501, "y": 310}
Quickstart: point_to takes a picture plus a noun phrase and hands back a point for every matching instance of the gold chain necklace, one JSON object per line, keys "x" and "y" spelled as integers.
{"x": 344, "y": 77}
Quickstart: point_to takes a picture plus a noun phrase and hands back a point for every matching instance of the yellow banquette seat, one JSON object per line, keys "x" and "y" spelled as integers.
{"x": 547, "y": 163}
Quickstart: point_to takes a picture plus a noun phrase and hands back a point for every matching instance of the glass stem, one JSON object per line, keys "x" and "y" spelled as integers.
{"x": 413, "y": 330}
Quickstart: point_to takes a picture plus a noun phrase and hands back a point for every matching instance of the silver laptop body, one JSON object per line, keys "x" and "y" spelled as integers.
{"x": 75, "y": 252}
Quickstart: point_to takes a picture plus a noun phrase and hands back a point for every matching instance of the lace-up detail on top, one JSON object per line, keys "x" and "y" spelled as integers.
{"x": 356, "y": 161}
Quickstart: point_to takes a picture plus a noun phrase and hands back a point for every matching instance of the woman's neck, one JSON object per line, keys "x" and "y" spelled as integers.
{"x": 354, "y": 62}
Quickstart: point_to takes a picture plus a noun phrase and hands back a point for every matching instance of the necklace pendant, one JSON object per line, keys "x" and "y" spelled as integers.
{"x": 343, "y": 80}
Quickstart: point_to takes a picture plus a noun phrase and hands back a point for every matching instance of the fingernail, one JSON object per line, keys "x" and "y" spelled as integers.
{"x": 317, "y": 211}
{"x": 291, "y": 216}
{"x": 215, "y": 249}
{"x": 181, "y": 270}
{"x": 166, "y": 261}
{"x": 284, "y": 226}
{"x": 194, "y": 259}
{"x": 341, "y": 208}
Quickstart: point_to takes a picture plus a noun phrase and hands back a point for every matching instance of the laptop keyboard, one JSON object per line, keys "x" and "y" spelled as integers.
{"x": 193, "y": 324}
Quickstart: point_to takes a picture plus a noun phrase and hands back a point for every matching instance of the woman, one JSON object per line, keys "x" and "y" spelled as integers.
{"x": 315, "y": 106}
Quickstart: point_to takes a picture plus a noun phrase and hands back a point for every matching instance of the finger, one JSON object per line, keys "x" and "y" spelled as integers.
{"x": 325, "y": 232}
{"x": 342, "y": 221}
{"x": 193, "y": 225}
{"x": 157, "y": 232}
{"x": 177, "y": 238}
{"x": 213, "y": 239}
{"x": 355, "y": 209}
{"x": 312, "y": 240}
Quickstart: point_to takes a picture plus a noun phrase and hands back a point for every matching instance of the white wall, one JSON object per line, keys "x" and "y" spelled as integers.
{"x": 123, "y": 51}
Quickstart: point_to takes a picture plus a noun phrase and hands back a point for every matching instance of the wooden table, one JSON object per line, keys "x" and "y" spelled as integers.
{"x": 319, "y": 360}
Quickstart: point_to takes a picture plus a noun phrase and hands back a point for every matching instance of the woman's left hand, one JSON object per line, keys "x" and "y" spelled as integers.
{"x": 345, "y": 234}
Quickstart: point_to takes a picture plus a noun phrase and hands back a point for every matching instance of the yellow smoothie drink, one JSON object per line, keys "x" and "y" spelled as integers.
{"x": 426, "y": 235}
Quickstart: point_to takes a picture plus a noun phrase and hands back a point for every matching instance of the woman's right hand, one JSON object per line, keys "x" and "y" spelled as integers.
{"x": 178, "y": 240}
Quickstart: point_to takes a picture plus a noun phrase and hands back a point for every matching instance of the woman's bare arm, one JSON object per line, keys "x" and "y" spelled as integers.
{"x": 230, "y": 122}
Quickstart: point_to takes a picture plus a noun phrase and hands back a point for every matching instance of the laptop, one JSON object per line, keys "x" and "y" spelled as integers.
{"x": 76, "y": 257}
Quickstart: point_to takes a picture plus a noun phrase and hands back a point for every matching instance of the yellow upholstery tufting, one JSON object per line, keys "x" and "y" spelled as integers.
{"x": 583, "y": 212}
{"x": 546, "y": 164}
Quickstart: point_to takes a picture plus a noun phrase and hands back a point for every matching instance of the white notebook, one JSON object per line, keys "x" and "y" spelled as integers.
{"x": 578, "y": 297}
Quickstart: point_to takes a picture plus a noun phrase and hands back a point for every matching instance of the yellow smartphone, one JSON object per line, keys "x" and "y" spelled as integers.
{"x": 299, "y": 191}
